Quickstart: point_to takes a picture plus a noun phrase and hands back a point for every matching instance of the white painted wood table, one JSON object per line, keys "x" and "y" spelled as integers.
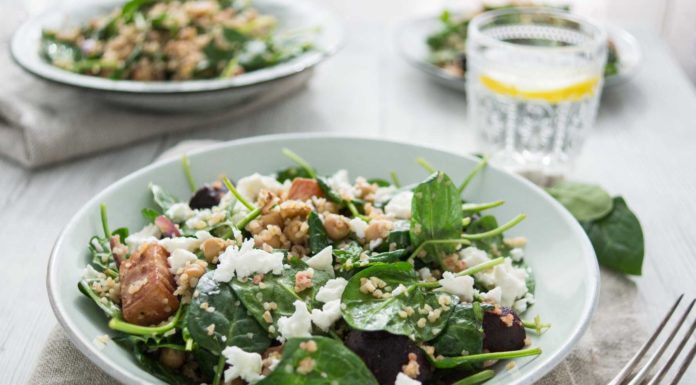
{"x": 644, "y": 147}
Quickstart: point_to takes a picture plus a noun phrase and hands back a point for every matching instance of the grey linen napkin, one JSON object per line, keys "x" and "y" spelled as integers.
{"x": 614, "y": 336}
{"x": 43, "y": 123}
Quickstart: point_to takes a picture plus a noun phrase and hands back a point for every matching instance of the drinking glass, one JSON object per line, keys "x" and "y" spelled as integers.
{"x": 534, "y": 81}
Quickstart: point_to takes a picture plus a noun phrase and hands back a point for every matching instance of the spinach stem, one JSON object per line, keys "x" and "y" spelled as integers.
{"x": 420, "y": 247}
{"x": 117, "y": 323}
{"x": 453, "y": 362}
{"x": 105, "y": 221}
{"x": 484, "y": 266}
{"x": 189, "y": 344}
{"x": 498, "y": 230}
{"x": 537, "y": 325}
{"x": 473, "y": 173}
{"x": 186, "y": 165}
{"x": 477, "y": 378}
{"x": 427, "y": 166}
{"x": 466, "y": 221}
{"x": 236, "y": 193}
{"x": 395, "y": 179}
{"x": 478, "y": 207}
{"x": 354, "y": 211}
{"x": 245, "y": 221}
{"x": 300, "y": 162}
{"x": 218, "y": 370}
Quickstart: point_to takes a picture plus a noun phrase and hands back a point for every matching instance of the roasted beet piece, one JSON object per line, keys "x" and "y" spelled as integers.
{"x": 207, "y": 196}
{"x": 502, "y": 330}
{"x": 304, "y": 188}
{"x": 147, "y": 287}
{"x": 385, "y": 354}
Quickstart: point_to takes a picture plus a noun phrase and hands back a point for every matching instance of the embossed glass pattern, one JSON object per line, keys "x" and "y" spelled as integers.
{"x": 534, "y": 80}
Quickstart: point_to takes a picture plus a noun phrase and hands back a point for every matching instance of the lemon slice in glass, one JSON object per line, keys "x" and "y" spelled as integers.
{"x": 570, "y": 92}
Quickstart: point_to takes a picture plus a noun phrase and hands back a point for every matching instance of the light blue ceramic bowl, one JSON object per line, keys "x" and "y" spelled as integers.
{"x": 558, "y": 250}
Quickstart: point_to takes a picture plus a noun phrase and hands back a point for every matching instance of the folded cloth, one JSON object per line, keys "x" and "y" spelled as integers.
{"x": 43, "y": 123}
{"x": 613, "y": 337}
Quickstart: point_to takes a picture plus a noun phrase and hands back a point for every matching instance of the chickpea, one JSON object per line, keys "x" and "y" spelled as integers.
{"x": 377, "y": 229}
{"x": 172, "y": 358}
{"x": 212, "y": 248}
{"x": 336, "y": 226}
{"x": 194, "y": 270}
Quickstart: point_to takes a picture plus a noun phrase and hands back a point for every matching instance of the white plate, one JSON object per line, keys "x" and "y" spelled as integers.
{"x": 559, "y": 252}
{"x": 411, "y": 40}
{"x": 178, "y": 95}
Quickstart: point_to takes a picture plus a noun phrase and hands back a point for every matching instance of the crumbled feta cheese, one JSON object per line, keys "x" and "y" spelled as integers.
{"x": 462, "y": 286}
{"x": 90, "y": 273}
{"x": 517, "y": 254}
{"x": 400, "y": 205}
{"x": 244, "y": 365}
{"x": 186, "y": 243}
{"x": 149, "y": 233}
{"x": 340, "y": 183}
{"x": 299, "y": 324}
{"x": 250, "y": 186}
{"x": 332, "y": 290}
{"x": 178, "y": 259}
{"x": 328, "y": 315}
{"x": 492, "y": 295}
{"x": 203, "y": 235}
{"x": 399, "y": 290}
{"x": 322, "y": 260}
{"x": 382, "y": 194}
{"x": 246, "y": 261}
{"x": 200, "y": 219}
{"x": 101, "y": 341}
{"x": 179, "y": 212}
{"x": 520, "y": 306}
{"x": 403, "y": 379}
{"x": 375, "y": 243}
{"x": 425, "y": 274}
{"x": 358, "y": 226}
{"x": 512, "y": 282}
{"x": 473, "y": 256}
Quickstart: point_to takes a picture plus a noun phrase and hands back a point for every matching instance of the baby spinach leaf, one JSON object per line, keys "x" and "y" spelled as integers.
{"x": 586, "y": 202}
{"x": 618, "y": 239}
{"x": 100, "y": 249}
{"x": 330, "y": 194}
{"x": 463, "y": 334}
{"x": 206, "y": 362}
{"x": 151, "y": 364}
{"x": 379, "y": 182}
{"x": 108, "y": 307}
{"x": 436, "y": 214}
{"x": 398, "y": 238}
{"x": 150, "y": 214}
{"x": 493, "y": 245}
{"x": 403, "y": 314}
{"x": 216, "y": 304}
{"x": 163, "y": 199}
{"x": 318, "y": 239}
{"x": 291, "y": 173}
{"x": 331, "y": 362}
{"x": 352, "y": 257}
{"x": 279, "y": 289}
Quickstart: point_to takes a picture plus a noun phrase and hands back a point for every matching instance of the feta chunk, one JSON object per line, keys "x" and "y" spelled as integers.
{"x": 382, "y": 194}
{"x": 512, "y": 282}
{"x": 492, "y": 296}
{"x": 178, "y": 259}
{"x": 246, "y": 261}
{"x": 400, "y": 205}
{"x": 322, "y": 260}
{"x": 399, "y": 290}
{"x": 517, "y": 254}
{"x": 332, "y": 290}
{"x": 403, "y": 379}
{"x": 358, "y": 227}
{"x": 425, "y": 274}
{"x": 244, "y": 365}
{"x": 179, "y": 212}
{"x": 473, "y": 256}
{"x": 462, "y": 286}
{"x": 90, "y": 273}
{"x": 147, "y": 234}
{"x": 340, "y": 183}
{"x": 299, "y": 324}
{"x": 186, "y": 243}
{"x": 328, "y": 315}
{"x": 250, "y": 186}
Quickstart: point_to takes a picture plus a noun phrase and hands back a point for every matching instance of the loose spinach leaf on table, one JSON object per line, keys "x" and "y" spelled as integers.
{"x": 363, "y": 311}
{"x": 618, "y": 239}
{"x": 279, "y": 289}
{"x": 151, "y": 364}
{"x": 585, "y": 201}
{"x": 163, "y": 199}
{"x": 436, "y": 214}
{"x": 216, "y": 304}
{"x": 332, "y": 363}
{"x": 318, "y": 239}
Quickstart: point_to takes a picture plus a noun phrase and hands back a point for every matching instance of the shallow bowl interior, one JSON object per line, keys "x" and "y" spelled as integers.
{"x": 558, "y": 250}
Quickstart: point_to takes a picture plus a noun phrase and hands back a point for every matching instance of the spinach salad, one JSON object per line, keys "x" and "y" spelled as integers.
{"x": 301, "y": 278}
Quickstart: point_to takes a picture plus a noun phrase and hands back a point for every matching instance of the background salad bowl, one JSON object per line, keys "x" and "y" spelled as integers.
{"x": 559, "y": 253}
{"x": 181, "y": 95}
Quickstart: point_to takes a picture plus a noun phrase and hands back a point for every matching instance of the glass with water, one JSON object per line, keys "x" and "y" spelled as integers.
{"x": 534, "y": 80}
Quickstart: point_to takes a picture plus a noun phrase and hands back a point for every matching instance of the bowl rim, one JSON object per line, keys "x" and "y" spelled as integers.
{"x": 104, "y": 363}
{"x": 32, "y": 62}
